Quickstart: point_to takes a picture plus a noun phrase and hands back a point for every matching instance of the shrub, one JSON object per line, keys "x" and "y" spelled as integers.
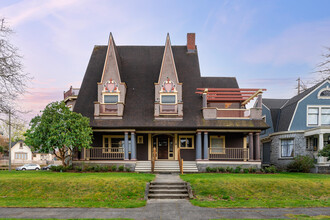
{"x": 113, "y": 168}
{"x": 271, "y": 169}
{"x": 104, "y": 169}
{"x": 252, "y": 170}
{"x": 211, "y": 169}
{"x": 230, "y": 169}
{"x": 238, "y": 169}
{"x": 89, "y": 168}
{"x": 78, "y": 169}
{"x": 97, "y": 168}
{"x": 127, "y": 169}
{"x": 221, "y": 169}
{"x": 208, "y": 169}
{"x": 301, "y": 164}
{"x": 121, "y": 168}
{"x": 325, "y": 152}
{"x": 246, "y": 170}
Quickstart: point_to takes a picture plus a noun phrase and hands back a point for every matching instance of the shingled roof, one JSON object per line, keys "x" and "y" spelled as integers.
{"x": 139, "y": 69}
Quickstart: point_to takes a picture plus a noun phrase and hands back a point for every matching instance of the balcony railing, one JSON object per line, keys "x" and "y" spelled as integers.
{"x": 231, "y": 154}
{"x": 101, "y": 153}
{"x": 168, "y": 109}
{"x": 233, "y": 113}
{"x": 108, "y": 108}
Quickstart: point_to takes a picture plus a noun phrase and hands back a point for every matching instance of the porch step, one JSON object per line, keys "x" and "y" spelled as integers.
{"x": 166, "y": 167}
{"x": 168, "y": 190}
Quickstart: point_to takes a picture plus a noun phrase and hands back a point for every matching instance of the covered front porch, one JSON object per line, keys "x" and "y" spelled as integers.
{"x": 197, "y": 145}
{"x": 316, "y": 139}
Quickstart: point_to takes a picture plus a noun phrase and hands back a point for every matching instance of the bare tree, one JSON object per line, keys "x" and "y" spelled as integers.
{"x": 323, "y": 69}
{"x": 12, "y": 78}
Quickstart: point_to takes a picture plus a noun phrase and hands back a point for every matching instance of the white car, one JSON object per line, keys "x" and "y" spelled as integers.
{"x": 29, "y": 167}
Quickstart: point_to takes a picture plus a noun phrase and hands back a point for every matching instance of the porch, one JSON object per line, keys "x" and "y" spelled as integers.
{"x": 200, "y": 145}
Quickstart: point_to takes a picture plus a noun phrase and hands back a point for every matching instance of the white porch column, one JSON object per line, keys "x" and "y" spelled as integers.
{"x": 321, "y": 141}
{"x": 133, "y": 143}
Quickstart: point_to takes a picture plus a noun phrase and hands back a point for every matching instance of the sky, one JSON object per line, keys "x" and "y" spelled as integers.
{"x": 263, "y": 43}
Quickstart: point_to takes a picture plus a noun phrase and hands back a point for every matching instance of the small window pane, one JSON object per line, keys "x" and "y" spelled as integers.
{"x": 217, "y": 145}
{"x": 110, "y": 98}
{"x": 189, "y": 142}
{"x": 183, "y": 142}
{"x": 287, "y": 148}
{"x": 168, "y": 99}
{"x": 313, "y": 110}
{"x": 325, "y": 116}
{"x": 106, "y": 142}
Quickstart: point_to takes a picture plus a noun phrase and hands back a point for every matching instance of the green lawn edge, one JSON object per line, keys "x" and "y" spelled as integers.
{"x": 283, "y": 190}
{"x": 33, "y": 189}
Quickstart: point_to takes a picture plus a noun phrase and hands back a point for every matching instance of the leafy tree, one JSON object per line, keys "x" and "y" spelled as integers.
{"x": 325, "y": 152}
{"x": 60, "y": 131}
{"x": 18, "y": 128}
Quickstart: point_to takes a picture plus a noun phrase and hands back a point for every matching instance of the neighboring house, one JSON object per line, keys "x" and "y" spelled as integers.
{"x": 70, "y": 97}
{"x": 298, "y": 126}
{"x": 140, "y": 98}
{"x": 22, "y": 154}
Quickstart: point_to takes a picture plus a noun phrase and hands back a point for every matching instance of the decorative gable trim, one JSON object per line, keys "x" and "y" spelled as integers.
{"x": 327, "y": 96}
{"x": 111, "y": 50}
{"x": 294, "y": 113}
{"x": 168, "y": 49}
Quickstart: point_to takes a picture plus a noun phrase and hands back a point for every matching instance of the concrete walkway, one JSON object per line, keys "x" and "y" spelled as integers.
{"x": 161, "y": 209}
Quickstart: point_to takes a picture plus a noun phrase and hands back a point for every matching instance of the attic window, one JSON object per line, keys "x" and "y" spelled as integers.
{"x": 110, "y": 99}
{"x": 20, "y": 145}
{"x": 168, "y": 99}
{"x": 324, "y": 93}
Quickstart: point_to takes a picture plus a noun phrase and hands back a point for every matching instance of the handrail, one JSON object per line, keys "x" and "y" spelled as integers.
{"x": 153, "y": 159}
{"x": 180, "y": 161}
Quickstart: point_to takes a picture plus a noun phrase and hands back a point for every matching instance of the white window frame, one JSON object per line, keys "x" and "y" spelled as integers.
{"x": 280, "y": 151}
{"x": 322, "y": 90}
{"x": 319, "y": 121}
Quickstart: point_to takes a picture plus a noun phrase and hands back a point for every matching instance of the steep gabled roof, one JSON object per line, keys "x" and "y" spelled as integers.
{"x": 140, "y": 67}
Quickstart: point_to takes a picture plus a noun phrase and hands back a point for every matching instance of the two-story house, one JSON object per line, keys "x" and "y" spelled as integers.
{"x": 146, "y": 99}
{"x": 298, "y": 126}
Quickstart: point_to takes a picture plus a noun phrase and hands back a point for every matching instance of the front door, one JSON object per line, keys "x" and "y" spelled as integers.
{"x": 164, "y": 146}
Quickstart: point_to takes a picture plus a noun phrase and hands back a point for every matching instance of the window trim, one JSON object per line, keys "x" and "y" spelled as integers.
{"x": 139, "y": 139}
{"x": 169, "y": 94}
{"x": 185, "y": 137}
{"x": 322, "y": 90}
{"x": 319, "y": 118}
{"x": 280, "y": 151}
{"x": 224, "y": 143}
{"x": 113, "y": 94}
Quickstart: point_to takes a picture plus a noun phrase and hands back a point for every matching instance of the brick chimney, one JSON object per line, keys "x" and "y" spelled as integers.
{"x": 191, "y": 47}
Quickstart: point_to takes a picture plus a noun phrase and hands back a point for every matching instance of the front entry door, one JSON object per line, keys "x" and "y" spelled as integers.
{"x": 162, "y": 147}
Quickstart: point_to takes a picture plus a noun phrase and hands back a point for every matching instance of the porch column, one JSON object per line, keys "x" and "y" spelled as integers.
{"x": 126, "y": 157}
{"x": 321, "y": 141}
{"x": 133, "y": 142}
{"x": 257, "y": 146}
{"x": 199, "y": 146}
{"x": 206, "y": 146}
{"x": 251, "y": 154}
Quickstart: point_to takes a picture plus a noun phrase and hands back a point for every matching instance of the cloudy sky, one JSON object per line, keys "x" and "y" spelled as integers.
{"x": 264, "y": 44}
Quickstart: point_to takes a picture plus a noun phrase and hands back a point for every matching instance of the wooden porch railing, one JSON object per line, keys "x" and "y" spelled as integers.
{"x": 180, "y": 161}
{"x": 231, "y": 154}
{"x": 101, "y": 153}
{"x": 153, "y": 160}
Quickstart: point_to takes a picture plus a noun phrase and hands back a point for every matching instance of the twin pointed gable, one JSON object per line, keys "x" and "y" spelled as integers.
{"x": 111, "y": 90}
{"x": 168, "y": 90}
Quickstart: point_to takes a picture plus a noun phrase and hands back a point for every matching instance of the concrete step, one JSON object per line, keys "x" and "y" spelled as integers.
{"x": 169, "y": 187}
{"x": 168, "y": 191}
{"x": 168, "y": 196}
{"x": 167, "y": 183}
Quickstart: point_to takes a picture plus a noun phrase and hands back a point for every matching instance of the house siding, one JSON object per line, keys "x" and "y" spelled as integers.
{"x": 266, "y": 113}
{"x": 299, "y": 121}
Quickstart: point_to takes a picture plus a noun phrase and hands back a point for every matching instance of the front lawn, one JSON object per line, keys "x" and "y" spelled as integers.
{"x": 48, "y": 189}
{"x": 260, "y": 190}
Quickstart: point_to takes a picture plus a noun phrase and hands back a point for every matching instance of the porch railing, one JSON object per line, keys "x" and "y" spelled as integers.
{"x": 108, "y": 108}
{"x": 231, "y": 154}
{"x": 101, "y": 153}
{"x": 233, "y": 113}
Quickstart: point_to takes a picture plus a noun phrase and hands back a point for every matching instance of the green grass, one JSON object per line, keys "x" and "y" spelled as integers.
{"x": 48, "y": 189}
{"x": 260, "y": 190}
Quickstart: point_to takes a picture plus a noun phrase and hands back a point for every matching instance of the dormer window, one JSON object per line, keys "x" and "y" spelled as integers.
{"x": 168, "y": 99}
{"x": 110, "y": 92}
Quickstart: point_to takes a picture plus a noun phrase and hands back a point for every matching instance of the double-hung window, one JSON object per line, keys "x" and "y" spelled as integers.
{"x": 217, "y": 144}
{"x": 318, "y": 115}
{"x": 287, "y": 148}
{"x": 186, "y": 142}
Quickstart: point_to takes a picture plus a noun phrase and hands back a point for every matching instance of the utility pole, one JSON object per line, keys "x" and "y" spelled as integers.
{"x": 298, "y": 85}
{"x": 9, "y": 159}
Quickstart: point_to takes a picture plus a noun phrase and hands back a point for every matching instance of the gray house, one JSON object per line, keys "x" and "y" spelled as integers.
{"x": 298, "y": 126}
